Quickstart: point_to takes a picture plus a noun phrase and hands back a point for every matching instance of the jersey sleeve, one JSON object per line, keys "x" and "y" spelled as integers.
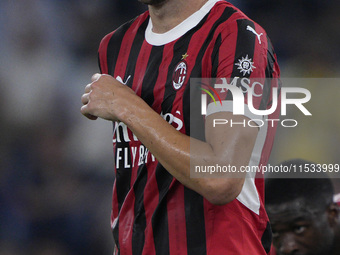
{"x": 245, "y": 60}
{"x": 102, "y": 54}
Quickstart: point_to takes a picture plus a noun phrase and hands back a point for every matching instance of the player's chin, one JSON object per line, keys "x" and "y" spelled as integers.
{"x": 91, "y": 117}
{"x": 152, "y": 2}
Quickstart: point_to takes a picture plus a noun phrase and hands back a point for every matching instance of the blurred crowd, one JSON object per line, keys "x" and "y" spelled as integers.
{"x": 56, "y": 167}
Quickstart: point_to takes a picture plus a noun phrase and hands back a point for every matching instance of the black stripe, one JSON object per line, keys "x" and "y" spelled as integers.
{"x": 160, "y": 217}
{"x": 114, "y": 46}
{"x": 195, "y": 223}
{"x": 134, "y": 52}
{"x": 245, "y": 48}
{"x": 245, "y": 45}
{"x": 139, "y": 225}
{"x": 123, "y": 176}
{"x": 269, "y": 76}
{"x": 100, "y": 68}
{"x": 215, "y": 56}
{"x": 115, "y": 233}
{"x": 151, "y": 73}
{"x": 266, "y": 239}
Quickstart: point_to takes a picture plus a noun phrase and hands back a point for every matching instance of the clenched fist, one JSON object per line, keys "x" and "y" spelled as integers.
{"x": 107, "y": 98}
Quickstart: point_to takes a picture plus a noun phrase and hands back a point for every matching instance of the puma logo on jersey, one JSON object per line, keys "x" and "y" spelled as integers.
{"x": 249, "y": 28}
{"x": 118, "y": 78}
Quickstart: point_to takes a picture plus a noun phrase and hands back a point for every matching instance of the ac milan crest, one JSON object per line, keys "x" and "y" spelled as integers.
{"x": 180, "y": 73}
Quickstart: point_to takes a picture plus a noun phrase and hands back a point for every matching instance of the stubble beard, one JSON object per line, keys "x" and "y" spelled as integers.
{"x": 152, "y": 2}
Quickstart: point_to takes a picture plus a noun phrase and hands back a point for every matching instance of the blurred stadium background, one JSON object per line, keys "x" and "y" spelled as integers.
{"x": 56, "y": 167}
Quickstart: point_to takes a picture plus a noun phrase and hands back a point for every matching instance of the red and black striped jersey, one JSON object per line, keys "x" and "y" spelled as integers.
{"x": 153, "y": 213}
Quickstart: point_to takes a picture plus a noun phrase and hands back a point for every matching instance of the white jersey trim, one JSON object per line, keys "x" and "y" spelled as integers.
{"x": 249, "y": 195}
{"x": 178, "y": 31}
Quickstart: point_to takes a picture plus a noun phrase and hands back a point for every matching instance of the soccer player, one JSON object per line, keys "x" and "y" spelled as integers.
{"x": 144, "y": 88}
{"x": 303, "y": 216}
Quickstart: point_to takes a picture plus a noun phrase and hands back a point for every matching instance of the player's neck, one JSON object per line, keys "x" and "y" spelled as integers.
{"x": 168, "y": 15}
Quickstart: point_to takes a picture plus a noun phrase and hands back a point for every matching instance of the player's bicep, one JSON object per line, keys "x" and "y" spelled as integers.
{"x": 231, "y": 137}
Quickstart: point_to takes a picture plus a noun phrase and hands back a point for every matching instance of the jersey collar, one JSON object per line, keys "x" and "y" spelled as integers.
{"x": 178, "y": 31}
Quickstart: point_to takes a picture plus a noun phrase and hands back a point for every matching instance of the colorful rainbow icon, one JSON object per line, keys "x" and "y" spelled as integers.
{"x": 206, "y": 90}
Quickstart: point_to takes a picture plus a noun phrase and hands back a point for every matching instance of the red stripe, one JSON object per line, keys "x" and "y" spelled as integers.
{"x": 127, "y": 44}
{"x": 141, "y": 65}
{"x": 176, "y": 219}
{"x": 209, "y": 220}
{"x": 227, "y": 52}
{"x": 126, "y": 224}
{"x": 103, "y": 53}
{"x": 151, "y": 199}
{"x": 115, "y": 211}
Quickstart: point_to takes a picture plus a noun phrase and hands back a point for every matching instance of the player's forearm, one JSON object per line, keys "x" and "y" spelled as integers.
{"x": 172, "y": 150}
{"x": 107, "y": 98}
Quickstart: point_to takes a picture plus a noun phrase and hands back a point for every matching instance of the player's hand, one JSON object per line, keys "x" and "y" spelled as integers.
{"x": 105, "y": 98}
